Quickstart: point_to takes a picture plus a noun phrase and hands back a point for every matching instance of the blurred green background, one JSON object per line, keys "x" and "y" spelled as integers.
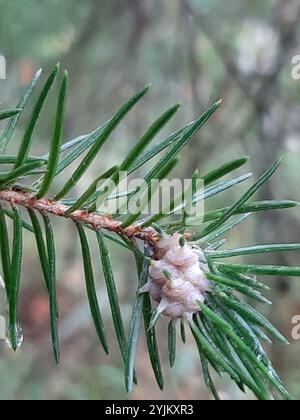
{"x": 193, "y": 51}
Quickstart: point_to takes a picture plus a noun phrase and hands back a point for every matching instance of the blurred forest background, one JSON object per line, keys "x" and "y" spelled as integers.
{"x": 193, "y": 51}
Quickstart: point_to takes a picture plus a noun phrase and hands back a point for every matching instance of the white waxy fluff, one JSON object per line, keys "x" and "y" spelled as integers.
{"x": 177, "y": 279}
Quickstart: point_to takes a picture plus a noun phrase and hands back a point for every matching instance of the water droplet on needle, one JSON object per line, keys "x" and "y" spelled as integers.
{"x": 19, "y": 338}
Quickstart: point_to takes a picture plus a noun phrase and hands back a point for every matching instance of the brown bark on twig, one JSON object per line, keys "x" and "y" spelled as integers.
{"x": 94, "y": 220}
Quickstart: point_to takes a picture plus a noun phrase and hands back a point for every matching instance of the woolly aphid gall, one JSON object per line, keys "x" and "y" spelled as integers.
{"x": 177, "y": 278}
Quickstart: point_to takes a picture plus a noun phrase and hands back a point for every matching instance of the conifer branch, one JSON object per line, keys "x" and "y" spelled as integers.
{"x": 178, "y": 271}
